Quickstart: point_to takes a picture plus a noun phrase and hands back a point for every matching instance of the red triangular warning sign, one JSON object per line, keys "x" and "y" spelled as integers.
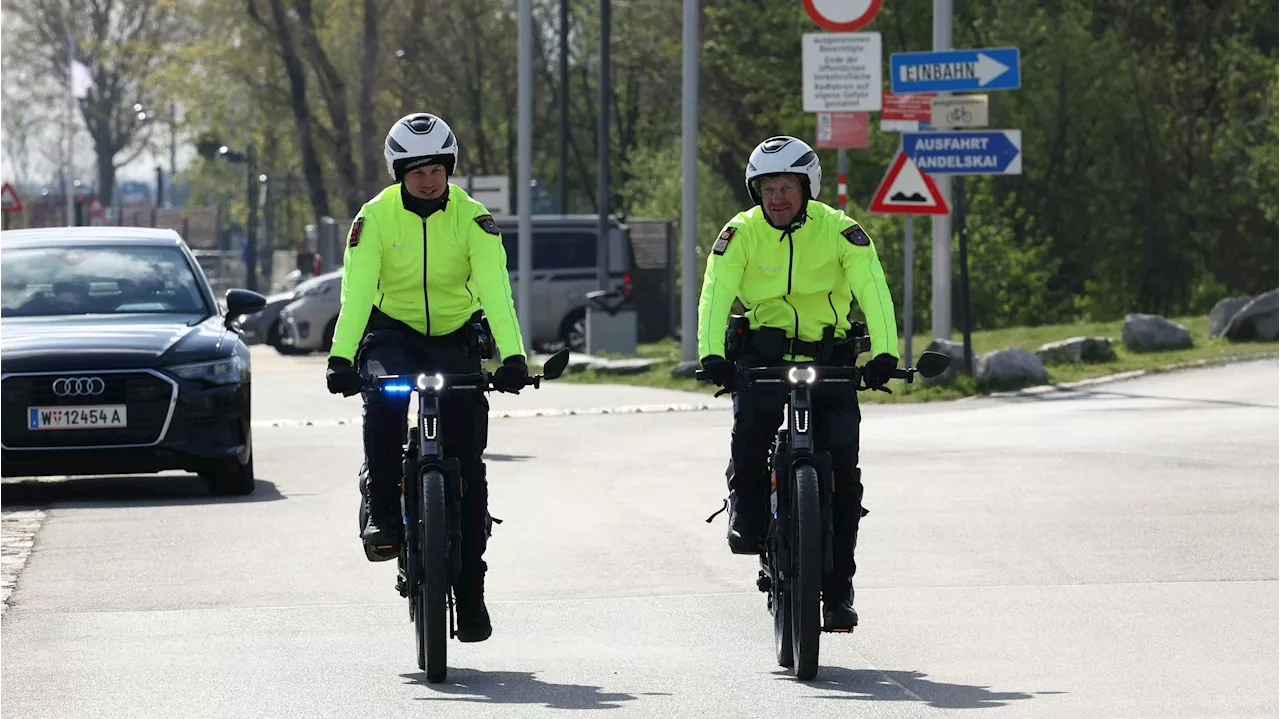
{"x": 9, "y": 201}
{"x": 95, "y": 207}
{"x": 905, "y": 190}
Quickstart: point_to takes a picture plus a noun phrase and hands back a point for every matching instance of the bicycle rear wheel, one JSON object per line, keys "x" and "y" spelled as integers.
{"x": 806, "y": 571}
{"x": 430, "y": 618}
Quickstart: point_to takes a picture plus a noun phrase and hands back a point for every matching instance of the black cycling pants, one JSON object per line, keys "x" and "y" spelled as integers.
{"x": 757, "y": 416}
{"x": 464, "y": 433}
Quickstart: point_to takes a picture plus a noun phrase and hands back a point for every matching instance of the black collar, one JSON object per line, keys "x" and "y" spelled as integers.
{"x": 423, "y": 208}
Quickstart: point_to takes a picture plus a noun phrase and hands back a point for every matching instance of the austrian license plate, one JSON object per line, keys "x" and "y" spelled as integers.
{"x": 98, "y": 416}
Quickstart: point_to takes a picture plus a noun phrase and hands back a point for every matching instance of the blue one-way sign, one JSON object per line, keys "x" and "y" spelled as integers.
{"x": 981, "y": 152}
{"x": 955, "y": 70}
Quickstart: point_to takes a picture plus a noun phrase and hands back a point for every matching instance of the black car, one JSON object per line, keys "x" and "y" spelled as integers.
{"x": 115, "y": 358}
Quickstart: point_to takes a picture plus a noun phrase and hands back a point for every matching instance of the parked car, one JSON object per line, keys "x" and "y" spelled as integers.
{"x": 564, "y": 271}
{"x": 116, "y": 358}
{"x": 265, "y": 325}
{"x": 307, "y": 323}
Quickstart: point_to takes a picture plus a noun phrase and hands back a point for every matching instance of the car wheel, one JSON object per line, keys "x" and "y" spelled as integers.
{"x": 231, "y": 478}
{"x": 573, "y": 330}
{"x": 273, "y": 334}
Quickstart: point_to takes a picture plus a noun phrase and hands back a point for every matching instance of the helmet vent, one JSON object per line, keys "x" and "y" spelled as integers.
{"x": 420, "y": 124}
{"x": 804, "y": 160}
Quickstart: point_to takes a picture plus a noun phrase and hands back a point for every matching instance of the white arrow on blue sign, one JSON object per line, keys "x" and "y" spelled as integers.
{"x": 955, "y": 70}
{"x": 979, "y": 152}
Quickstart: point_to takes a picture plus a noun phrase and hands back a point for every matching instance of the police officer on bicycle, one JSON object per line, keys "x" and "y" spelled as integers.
{"x": 424, "y": 279}
{"x": 796, "y": 265}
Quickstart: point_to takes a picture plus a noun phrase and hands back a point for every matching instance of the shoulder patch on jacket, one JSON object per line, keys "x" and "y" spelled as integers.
{"x": 353, "y": 239}
{"x": 487, "y": 224}
{"x": 722, "y": 242}
{"x": 856, "y": 235}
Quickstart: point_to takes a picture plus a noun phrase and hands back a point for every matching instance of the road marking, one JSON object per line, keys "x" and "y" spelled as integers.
{"x": 520, "y": 414}
{"x": 17, "y": 537}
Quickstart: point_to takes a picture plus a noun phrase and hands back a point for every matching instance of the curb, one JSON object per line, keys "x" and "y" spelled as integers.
{"x": 1123, "y": 376}
{"x": 521, "y": 414}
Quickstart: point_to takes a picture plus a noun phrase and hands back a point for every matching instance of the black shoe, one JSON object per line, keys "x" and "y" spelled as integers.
{"x": 839, "y": 616}
{"x": 744, "y": 525}
{"x": 473, "y": 621}
{"x": 381, "y": 538}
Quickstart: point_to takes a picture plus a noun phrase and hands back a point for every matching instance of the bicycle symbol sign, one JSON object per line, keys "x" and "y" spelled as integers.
{"x": 959, "y": 111}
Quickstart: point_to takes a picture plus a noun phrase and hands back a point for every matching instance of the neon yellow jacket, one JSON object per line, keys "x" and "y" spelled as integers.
{"x": 463, "y": 269}
{"x": 797, "y": 281}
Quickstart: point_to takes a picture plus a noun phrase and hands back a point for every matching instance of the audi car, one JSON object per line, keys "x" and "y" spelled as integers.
{"x": 116, "y": 358}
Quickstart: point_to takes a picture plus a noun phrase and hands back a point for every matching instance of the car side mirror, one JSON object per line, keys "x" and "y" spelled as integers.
{"x": 932, "y": 364}
{"x": 554, "y": 367}
{"x": 242, "y": 302}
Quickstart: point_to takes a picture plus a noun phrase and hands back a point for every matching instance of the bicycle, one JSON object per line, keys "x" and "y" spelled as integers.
{"x": 797, "y": 552}
{"x": 429, "y": 555}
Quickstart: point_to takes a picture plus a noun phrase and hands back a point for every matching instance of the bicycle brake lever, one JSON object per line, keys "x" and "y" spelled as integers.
{"x": 723, "y": 391}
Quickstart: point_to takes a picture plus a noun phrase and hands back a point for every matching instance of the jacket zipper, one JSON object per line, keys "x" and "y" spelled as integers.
{"x": 791, "y": 251}
{"x": 426, "y": 300}
{"x": 835, "y": 319}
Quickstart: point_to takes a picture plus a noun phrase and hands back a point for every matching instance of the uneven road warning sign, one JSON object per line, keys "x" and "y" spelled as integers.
{"x": 905, "y": 190}
{"x": 9, "y": 201}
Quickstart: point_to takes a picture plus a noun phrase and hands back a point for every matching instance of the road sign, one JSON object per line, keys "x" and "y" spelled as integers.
{"x": 959, "y": 111}
{"x": 9, "y": 201}
{"x": 905, "y": 113}
{"x": 905, "y": 190}
{"x": 94, "y": 208}
{"x": 978, "y": 152}
{"x": 841, "y": 71}
{"x": 955, "y": 70}
{"x": 842, "y": 15}
{"x": 842, "y": 130}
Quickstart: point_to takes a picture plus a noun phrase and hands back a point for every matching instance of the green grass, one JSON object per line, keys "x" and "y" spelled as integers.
{"x": 1030, "y": 338}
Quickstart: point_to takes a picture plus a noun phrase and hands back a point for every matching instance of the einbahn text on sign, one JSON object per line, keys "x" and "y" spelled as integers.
{"x": 955, "y": 70}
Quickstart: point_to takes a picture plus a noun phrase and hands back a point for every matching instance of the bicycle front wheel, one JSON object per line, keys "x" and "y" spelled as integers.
{"x": 806, "y": 571}
{"x": 430, "y": 617}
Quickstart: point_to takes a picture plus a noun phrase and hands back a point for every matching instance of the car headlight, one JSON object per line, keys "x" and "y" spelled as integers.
{"x": 223, "y": 371}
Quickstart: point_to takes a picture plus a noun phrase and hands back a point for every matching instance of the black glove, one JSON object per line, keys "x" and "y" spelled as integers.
{"x": 877, "y": 371}
{"x": 720, "y": 371}
{"x": 512, "y": 376}
{"x": 341, "y": 377}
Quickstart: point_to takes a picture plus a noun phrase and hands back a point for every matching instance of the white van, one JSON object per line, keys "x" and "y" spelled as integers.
{"x": 564, "y": 271}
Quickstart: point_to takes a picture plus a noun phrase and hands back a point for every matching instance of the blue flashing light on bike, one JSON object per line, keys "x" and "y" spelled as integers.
{"x": 396, "y": 388}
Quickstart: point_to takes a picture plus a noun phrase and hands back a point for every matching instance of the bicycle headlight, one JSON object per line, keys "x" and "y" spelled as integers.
{"x": 430, "y": 382}
{"x": 802, "y": 375}
{"x": 217, "y": 372}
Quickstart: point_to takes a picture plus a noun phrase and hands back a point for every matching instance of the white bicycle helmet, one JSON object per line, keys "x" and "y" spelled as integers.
{"x": 783, "y": 154}
{"x": 419, "y": 139}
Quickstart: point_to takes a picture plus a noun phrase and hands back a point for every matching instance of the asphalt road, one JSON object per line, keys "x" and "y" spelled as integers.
{"x": 1101, "y": 553}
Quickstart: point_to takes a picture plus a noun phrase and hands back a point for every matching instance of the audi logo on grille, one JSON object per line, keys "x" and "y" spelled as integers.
{"x": 78, "y": 386}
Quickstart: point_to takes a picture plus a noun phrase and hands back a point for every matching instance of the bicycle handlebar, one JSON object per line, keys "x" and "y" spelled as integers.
{"x": 437, "y": 382}
{"x": 808, "y": 374}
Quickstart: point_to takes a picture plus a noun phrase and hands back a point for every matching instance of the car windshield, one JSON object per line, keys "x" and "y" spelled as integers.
{"x": 47, "y": 281}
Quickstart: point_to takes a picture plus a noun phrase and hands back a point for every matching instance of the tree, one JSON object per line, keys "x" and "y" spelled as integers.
{"x": 124, "y": 43}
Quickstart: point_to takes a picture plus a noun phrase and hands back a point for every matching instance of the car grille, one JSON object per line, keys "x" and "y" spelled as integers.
{"x": 147, "y": 395}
